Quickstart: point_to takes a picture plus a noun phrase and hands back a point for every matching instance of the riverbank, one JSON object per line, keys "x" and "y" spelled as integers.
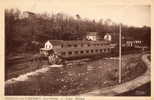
{"x": 127, "y": 86}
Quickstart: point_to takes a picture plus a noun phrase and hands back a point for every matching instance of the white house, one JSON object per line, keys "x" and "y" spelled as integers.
{"x": 92, "y": 36}
{"x": 48, "y": 45}
{"x": 107, "y": 37}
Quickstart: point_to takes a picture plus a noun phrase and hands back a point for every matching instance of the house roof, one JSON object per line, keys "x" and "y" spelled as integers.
{"x": 91, "y": 33}
{"x": 60, "y": 42}
{"x": 56, "y": 42}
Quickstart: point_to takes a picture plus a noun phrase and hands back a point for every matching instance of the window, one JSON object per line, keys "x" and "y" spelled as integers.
{"x": 108, "y": 49}
{"x": 61, "y": 46}
{"x": 92, "y": 51}
{"x": 69, "y": 45}
{"x": 100, "y": 50}
{"x": 76, "y": 52}
{"x": 69, "y": 52}
{"x": 104, "y": 50}
{"x": 47, "y": 46}
{"x": 75, "y": 45}
{"x": 63, "y": 53}
{"x": 87, "y": 51}
{"x": 96, "y": 50}
{"x": 81, "y": 51}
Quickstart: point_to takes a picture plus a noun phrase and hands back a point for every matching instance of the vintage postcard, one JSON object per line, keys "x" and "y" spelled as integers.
{"x": 76, "y": 50}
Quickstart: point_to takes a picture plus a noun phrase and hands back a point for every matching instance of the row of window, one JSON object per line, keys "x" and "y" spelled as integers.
{"x": 87, "y": 51}
{"x": 81, "y": 45}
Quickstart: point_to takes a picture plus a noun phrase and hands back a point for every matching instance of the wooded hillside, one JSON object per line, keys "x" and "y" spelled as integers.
{"x": 27, "y": 33}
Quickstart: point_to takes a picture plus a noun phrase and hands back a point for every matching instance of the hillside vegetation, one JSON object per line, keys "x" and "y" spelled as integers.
{"x": 27, "y": 34}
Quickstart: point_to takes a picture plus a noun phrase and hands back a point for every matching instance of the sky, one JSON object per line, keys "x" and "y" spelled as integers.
{"x": 131, "y": 15}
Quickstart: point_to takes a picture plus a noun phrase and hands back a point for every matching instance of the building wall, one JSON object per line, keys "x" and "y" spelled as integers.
{"x": 82, "y": 48}
{"x": 133, "y": 43}
{"x": 48, "y": 45}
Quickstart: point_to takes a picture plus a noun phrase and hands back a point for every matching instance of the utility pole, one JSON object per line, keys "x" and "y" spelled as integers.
{"x": 120, "y": 67}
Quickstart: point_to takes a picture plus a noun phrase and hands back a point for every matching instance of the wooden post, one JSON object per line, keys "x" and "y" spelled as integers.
{"x": 120, "y": 53}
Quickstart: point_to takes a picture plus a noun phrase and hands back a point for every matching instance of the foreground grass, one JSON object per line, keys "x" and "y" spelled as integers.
{"x": 78, "y": 78}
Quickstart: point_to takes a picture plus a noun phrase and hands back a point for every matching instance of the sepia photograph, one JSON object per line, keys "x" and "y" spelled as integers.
{"x": 58, "y": 48}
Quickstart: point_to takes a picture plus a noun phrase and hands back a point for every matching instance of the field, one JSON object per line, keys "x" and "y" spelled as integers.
{"x": 76, "y": 78}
